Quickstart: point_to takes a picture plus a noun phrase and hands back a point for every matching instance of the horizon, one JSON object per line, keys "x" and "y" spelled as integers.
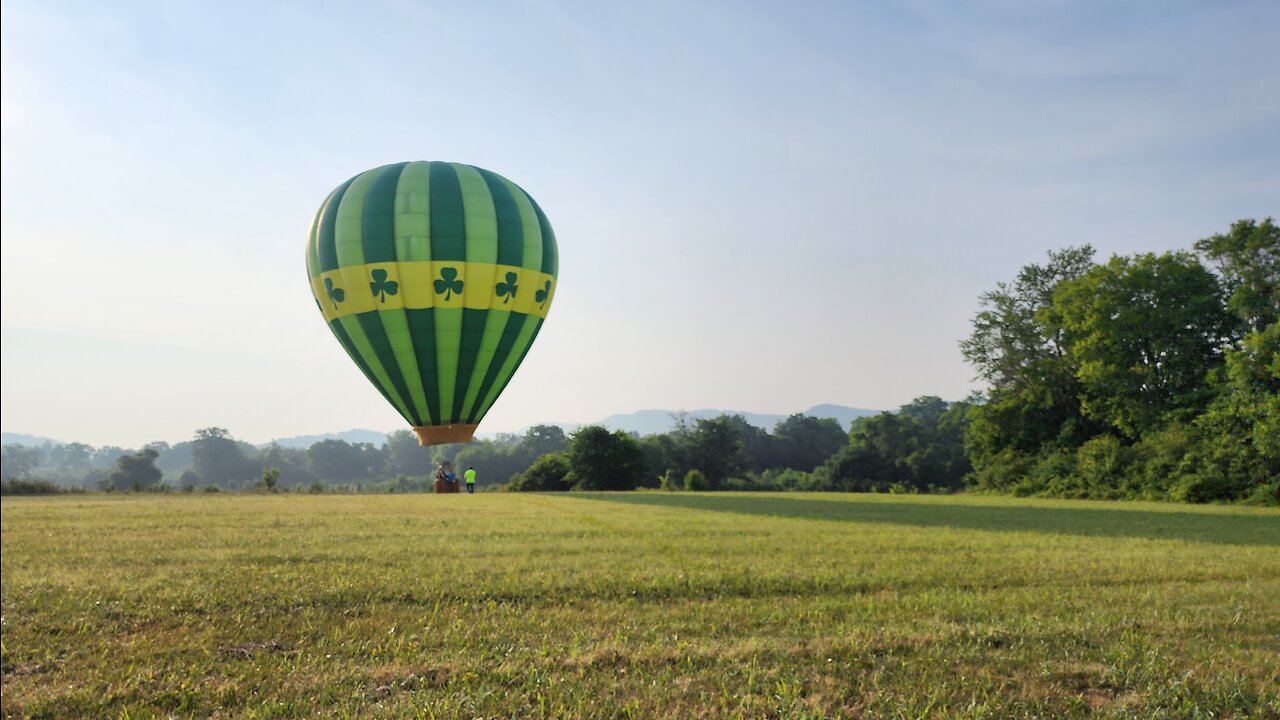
{"x": 569, "y": 427}
{"x": 756, "y": 207}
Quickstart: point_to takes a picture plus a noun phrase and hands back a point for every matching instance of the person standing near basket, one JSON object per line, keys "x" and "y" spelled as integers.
{"x": 470, "y": 476}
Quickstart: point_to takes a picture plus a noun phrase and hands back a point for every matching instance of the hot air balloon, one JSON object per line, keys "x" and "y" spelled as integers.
{"x": 435, "y": 277}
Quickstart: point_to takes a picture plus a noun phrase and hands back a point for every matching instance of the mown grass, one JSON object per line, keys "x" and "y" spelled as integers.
{"x": 637, "y": 605}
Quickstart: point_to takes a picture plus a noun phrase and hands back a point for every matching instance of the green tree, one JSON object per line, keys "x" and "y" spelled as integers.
{"x": 803, "y": 443}
{"x": 340, "y": 460}
{"x": 1143, "y": 333}
{"x": 876, "y": 455}
{"x": 547, "y": 474}
{"x": 920, "y": 448}
{"x": 18, "y": 460}
{"x": 695, "y": 480}
{"x": 106, "y": 456}
{"x": 496, "y": 461}
{"x": 1236, "y": 453}
{"x": 664, "y": 455}
{"x": 270, "y": 477}
{"x": 136, "y": 472}
{"x": 219, "y": 459}
{"x": 72, "y": 460}
{"x": 1248, "y": 259}
{"x": 406, "y": 456}
{"x": 290, "y": 462}
{"x": 1032, "y": 401}
{"x": 544, "y": 440}
{"x": 601, "y": 460}
{"x": 716, "y": 449}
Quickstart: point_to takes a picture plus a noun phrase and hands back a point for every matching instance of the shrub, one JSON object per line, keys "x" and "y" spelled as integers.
{"x": 695, "y": 480}
{"x": 548, "y": 473}
{"x": 14, "y": 486}
{"x": 1102, "y": 465}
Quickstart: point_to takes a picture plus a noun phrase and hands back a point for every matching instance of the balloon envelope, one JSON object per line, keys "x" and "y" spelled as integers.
{"x": 435, "y": 277}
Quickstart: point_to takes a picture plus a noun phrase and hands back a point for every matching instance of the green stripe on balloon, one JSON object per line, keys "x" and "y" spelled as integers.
{"x": 349, "y": 223}
{"x": 510, "y": 333}
{"x": 448, "y": 243}
{"x": 413, "y": 213}
{"x": 349, "y": 242}
{"x": 377, "y": 231}
{"x": 422, "y": 328}
{"x": 325, "y": 247}
{"x": 396, "y": 324}
{"x": 510, "y": 251}
{"x": 532, "y": 323}
{"x": 473, "y": 322}
{"x": 507, "y": 213}
{"x": 479, "y": 221}
{"x": 313, "y": 253}
{"x": 482, "y": 247}
{"x": 377, "y": 219}
{"x": 448, "y": 216}
{"x": 530, "y": 230}
{"x": 518, "y": 333}
{"x": 550, "y": 258}
{"x": 413, "y": 243}
{"x": 375, "y": 334}
{"x": 448, "y": 322}
{"x": 487, "y": 356}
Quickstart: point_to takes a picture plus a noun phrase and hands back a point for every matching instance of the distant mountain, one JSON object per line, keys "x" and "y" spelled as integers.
{"x": 649, "y": 422}
{"x": 27, "y": 440}
{"x": 303, "y": 442}
{"x": 845, "y": 415}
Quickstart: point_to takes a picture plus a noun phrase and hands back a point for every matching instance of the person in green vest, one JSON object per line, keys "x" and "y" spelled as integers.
{"x": 470, "y": 475}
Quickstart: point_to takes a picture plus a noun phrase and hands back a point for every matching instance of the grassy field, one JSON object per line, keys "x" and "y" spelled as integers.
{"x": 637, "y": 605}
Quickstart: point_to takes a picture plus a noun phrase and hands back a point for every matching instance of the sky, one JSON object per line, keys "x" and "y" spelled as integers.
{"x": 759, "y": 206}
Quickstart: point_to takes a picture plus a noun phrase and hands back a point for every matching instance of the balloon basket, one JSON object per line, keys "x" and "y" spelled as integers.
{"x": 444, "y": 434}
{"x": 444, "y": 487}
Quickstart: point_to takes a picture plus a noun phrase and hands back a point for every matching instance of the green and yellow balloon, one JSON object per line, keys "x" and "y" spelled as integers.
{"x": 435, "y": 277}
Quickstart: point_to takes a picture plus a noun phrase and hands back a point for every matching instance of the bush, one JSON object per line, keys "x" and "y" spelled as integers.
{"x": 1207, "y": 485}
{"x": 14, "y": 486}
{"x": 1002, "y": 471}
{"x": 548, "y": 473}
{"x": 1102, "y": 466}
{"x": 695, "y": 480}
{"x": 270, "y": 477}
{"x": 603, "y": 460}
{"x": 776, "y": 479}
{"x": 1161, "y": 459}
{"x": 1054, "y": 469}
{"x": 1266, "y": 494}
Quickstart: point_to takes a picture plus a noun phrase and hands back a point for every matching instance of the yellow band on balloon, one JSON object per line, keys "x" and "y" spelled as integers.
{"x": 423, "y": 284}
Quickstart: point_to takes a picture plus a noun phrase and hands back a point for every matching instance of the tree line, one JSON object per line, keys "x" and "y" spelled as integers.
{"x": 1150, "y": 376}
{"x": 918, "y": 448}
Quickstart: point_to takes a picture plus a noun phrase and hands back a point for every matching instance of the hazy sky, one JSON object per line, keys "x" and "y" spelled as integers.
{"x": 760, "y": 206}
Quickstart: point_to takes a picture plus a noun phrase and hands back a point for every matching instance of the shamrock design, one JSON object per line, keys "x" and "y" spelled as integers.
{"x": 381, "y": 286}
{"x": 448, "y": 284}
{"x": 507, "y": 290}
{"x": 541, "y": 296}
{"x": 336, "y": 294}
